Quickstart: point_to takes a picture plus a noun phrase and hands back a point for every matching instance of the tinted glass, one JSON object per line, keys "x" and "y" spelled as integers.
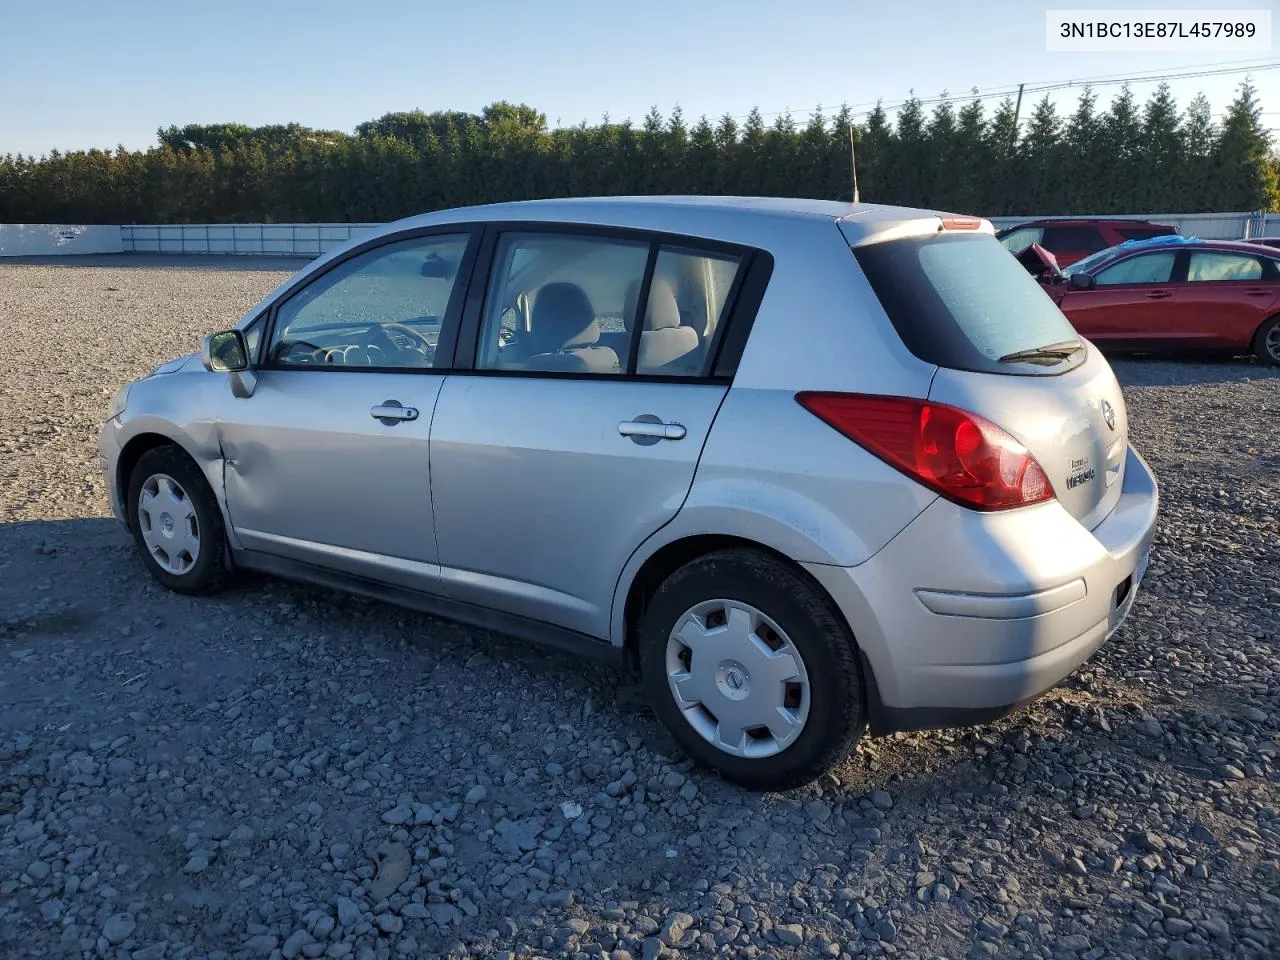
{"x": 1072, "y": 238}
{"x": 1145, "y": 268}
{"x": 961, "y": 301}
{"x": 1019, "y": 240}
{"x": 559, "y": 303}
{"x": 686, "y": 303}
{"x": 383, "y": 308}
{"x": 1210, "y": 265}
{"x": 1143, "y": 233}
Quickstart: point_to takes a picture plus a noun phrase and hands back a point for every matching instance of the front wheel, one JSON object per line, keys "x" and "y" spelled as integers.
{"x": 176, "y": 522}
{"x": 749, "y": 666}
{"x": 1266, "y": 344}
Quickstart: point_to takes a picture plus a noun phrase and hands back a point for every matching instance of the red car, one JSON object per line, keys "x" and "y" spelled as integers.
{"x": 1073, "y": 240}
{"x": 1175, "y": 293}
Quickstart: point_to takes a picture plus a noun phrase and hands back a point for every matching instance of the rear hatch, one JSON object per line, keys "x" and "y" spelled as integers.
{"x": 1005, "y": 351}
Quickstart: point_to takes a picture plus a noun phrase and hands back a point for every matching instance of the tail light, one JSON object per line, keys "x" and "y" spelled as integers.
{"x": 964, "y": 457}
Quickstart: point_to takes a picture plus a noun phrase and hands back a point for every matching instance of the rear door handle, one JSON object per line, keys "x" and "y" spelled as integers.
{"x": 654, "y": 428}
{"x": 1259, "y": 293}
{"x": 1159, "y": 295}
{"x": 391, "y": 412}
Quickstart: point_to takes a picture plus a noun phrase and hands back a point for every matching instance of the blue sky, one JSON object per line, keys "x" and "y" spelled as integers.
{"x": 77, "y": 74}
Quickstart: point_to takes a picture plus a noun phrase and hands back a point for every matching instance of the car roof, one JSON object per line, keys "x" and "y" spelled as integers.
{"x": 1090, "y": 221}
{"x": 1177, "y": 240}
{"x": 745, "y": 219}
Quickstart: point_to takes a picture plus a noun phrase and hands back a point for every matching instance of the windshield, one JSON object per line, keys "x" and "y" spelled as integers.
{"x": 960, "y": 301}
{"x": 1093, "y": 261}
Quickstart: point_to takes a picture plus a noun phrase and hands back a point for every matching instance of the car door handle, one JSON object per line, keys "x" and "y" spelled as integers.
{"x": 391, "y": 412}
{"x": 1159, "y": 295}
{"x": 651, "y": 428}
{"x": 1258, "y": 293}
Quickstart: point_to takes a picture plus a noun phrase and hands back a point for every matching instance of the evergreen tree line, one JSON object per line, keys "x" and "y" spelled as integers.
{"x": 1123, "y": 157}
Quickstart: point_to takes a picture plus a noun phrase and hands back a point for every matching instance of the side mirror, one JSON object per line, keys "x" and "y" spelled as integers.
{"x": 1081, "y": 281}
{"x": 225, "y": 352}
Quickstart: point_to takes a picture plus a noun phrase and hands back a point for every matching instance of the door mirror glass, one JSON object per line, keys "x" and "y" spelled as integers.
{"x": 225, "y": 352}
{"x": 1081, "y": 281}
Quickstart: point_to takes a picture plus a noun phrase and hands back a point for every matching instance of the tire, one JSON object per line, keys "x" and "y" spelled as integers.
{"x": 807, "y": 625}
{"x": 182, "y": 538}
{"x": 1266, "y": 342}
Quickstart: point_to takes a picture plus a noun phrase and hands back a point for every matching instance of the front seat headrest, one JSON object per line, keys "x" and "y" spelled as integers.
{"x": 563, "y": 318}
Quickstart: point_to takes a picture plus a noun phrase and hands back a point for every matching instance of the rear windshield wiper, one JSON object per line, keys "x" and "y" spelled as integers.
{"x": 1049, "y": 353}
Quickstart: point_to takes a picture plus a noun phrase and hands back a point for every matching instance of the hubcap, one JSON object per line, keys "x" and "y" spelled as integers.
{"x": 737, "y": 678}
{"x": 170, "y": 528}
{"x": 1273, "y": 343}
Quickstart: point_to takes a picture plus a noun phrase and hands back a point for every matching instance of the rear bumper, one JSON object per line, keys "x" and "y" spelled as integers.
{"x": 966, "y": 615}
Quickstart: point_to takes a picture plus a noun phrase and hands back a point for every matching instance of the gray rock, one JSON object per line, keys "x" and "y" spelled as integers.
{"x": 792, "y": 934}
{"x": 673, "y": 928}
{"x": 1074, "y": 943}
{"x": 118, "y": 928}
{"x": 389, "y": 923}
{"x": 295, "y": 942}
{"x": 477, "y": 794}
{"x": 261, "y": 945}
{"x": 881, "y": 800}
{"x": 348, "y": 913}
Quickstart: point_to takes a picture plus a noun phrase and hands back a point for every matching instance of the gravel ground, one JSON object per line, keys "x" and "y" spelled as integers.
{"x": 281, "y": 771}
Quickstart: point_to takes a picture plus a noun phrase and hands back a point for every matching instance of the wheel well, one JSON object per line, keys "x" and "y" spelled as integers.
{"x": 129, "y": 457}
{"x": 667, "y": 561}
{"x": 1257, "y": 334}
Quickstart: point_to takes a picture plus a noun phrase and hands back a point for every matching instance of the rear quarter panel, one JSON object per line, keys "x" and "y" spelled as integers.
{"x": 773, "y": 473}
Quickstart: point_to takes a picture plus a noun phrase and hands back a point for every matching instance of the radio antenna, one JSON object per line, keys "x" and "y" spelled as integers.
{"x": 853, "y": 163}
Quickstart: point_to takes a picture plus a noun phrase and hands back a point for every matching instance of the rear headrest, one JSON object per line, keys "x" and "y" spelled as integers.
{"x": 663, "y": 312}
{"x": 563, "y": 317}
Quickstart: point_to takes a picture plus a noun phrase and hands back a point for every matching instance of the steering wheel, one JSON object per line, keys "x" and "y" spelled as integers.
{"x": 379, "y": 335}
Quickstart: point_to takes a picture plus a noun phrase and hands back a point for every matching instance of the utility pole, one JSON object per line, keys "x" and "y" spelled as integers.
{"x": 1017, "y": 107}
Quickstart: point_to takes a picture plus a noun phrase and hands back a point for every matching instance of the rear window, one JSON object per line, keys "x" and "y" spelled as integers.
{"x": 961, "y": 301}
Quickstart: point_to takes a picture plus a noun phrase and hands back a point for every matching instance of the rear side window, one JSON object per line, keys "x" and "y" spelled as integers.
{"x": 960, "y": 301}
{"x": 1073, "y": 238}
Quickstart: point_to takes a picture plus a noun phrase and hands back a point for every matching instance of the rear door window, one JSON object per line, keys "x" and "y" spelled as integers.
{"x": 1208, "y": 265}
{"x": 960, "y": 301}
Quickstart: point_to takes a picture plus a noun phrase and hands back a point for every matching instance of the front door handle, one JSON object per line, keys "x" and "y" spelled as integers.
{"x": 391, "y": 412}
{"x": 1159, "y": 295}
{"x": 653, "y": 429}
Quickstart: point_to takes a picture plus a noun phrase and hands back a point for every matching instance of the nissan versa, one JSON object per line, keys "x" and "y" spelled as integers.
{"x": 813, "y": 468}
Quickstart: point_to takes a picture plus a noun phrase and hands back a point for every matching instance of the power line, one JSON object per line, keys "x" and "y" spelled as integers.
{"x": 1103, "y": 80}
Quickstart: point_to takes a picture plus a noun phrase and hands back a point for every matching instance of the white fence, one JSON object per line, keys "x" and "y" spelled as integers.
{"x": 56, "y": 239}
{"x": 270, "y": 239}
{"x": 313, "y": 239}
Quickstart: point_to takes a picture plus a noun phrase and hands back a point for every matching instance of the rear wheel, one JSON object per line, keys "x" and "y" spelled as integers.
{"x": 748, "y": 665}
{"x": 1266, "y": 344}
{"x": 176, "y": 522}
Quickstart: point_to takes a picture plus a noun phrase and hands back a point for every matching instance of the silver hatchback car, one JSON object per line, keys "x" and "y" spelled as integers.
{"x": 812, "y": 468}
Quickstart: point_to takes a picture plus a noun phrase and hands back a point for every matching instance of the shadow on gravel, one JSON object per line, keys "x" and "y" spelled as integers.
{"x": 173, "y": 261}
{"x": 1163, "y": 371}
